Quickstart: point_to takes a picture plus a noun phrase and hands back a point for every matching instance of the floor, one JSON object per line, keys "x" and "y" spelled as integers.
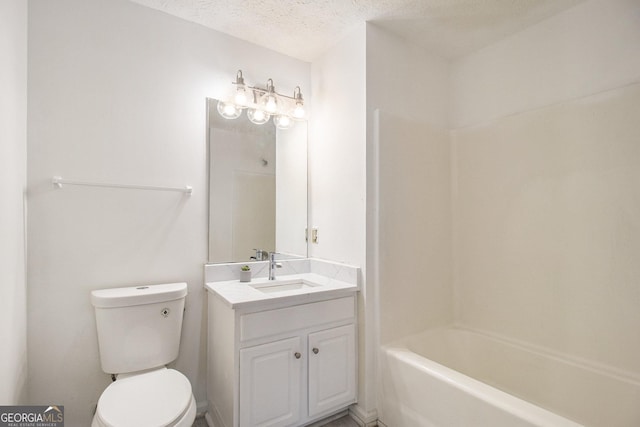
{"x": 200, "y": 422}
{"x": 345, "y": 421}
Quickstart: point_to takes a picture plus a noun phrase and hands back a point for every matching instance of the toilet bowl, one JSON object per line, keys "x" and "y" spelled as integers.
{"x": 139, "y": 332}
{"x": 161, "y": 397}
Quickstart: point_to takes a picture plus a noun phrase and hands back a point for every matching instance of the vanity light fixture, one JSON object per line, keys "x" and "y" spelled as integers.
{"x": 258, "y": 116}
{"x": 298, "y": 111}
{"x": 261, "y": 104}
{"x": 241, "y": 96}
{"x": 228, "y": 110}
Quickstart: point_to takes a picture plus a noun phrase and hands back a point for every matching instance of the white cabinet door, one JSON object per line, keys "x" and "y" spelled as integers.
{"x": 270, "y": 381}
{"x": 332, "y": 369}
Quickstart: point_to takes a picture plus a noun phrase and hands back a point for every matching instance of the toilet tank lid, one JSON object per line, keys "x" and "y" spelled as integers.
{"x": 138, "y": 295}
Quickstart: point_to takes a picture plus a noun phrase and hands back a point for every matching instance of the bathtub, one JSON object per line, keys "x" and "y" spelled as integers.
{"x": 456, "y": 377}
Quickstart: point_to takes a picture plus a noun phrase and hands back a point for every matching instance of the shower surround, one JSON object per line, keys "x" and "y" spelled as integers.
{"x": 521, "y": 214}
{"x": 546, "y": 239}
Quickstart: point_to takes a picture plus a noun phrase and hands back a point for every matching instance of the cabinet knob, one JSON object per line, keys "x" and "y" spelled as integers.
{"x": 297, "y": 355}
{"x": 315, "y": 350}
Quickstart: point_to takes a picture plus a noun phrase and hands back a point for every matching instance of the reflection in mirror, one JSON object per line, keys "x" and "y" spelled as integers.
{"x": 257, "y": 188}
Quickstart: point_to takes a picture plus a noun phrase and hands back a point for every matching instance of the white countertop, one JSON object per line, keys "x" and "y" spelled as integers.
{"x": 238, "y": 294}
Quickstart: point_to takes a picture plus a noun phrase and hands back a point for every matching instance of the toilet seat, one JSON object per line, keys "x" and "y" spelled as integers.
{"x": 158, "y": 398}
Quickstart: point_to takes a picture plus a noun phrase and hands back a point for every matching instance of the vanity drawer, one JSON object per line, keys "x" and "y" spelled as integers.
{"x": 295, "y": 318}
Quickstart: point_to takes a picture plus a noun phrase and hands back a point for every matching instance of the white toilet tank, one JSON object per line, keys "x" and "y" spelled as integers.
{"x": 139, "y": 327}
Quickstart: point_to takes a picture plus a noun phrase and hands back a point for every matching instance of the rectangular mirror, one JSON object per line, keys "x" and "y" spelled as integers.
{"x": 257, "y": 188}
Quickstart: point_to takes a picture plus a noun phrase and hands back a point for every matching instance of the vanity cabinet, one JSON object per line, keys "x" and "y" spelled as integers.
{"x": 331, "y": 368}
{"x": 270, "y": 383}
{"x": 281, "y": 366}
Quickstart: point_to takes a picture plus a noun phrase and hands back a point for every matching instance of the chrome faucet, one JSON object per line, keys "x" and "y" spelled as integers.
{"x": 273, "y": 265}
{"x": 260, "y": 255}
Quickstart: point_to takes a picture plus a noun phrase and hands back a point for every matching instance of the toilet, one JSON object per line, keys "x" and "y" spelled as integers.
{"x": 138, "y": 334}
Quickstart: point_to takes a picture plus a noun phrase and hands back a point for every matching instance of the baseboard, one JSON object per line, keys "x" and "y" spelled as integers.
{"x": 210, "y": 422}
{"x": 201, "y": 408}
{"x": 214, "y": 419}
{"x": 362, "y": 417}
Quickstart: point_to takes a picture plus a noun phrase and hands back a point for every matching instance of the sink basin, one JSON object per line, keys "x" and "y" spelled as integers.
{"x": 272, "y": 288}
{"x": 286, "y": 289}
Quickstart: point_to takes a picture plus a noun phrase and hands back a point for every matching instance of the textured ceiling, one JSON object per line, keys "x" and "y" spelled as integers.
{"x": 306, "y": 28}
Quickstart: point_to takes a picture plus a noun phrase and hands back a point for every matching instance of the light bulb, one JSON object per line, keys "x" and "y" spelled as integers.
{"x": 258, "y": 117}
{"x": 228, "y": 110}
{"x": 270, "y": 103}
{"x": 241, "y": 96}
{"x": 269, "y": 99}
{"x": 283, "y": 122}
{"x": 299, "y": 112}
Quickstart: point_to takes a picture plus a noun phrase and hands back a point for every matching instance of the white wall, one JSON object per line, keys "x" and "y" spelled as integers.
{"x": 586, "y": 49}
{"x": 117, "y": 94}
{"x": 414, "y": 252}
{"x": 13, "y": 169}
{"x": 406, "y": 80}
{"x": 546, "y": 198}
{"x": 409, "y": 173}
{"x": 337, "y": 177}
{"x": 337, "y": 151}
